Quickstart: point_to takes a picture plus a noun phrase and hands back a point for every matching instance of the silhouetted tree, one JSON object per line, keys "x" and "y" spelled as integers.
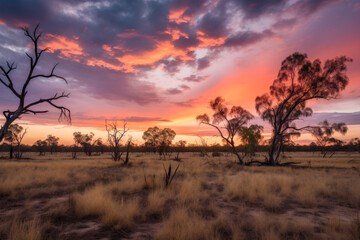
{"x": 180, "y": 145}
{"x": 88, "y": 142}
{"x": 52, "y": 142}
{"x": 323, "y": 135}
{"x": 10, "y": 139}
{"x": 15, "y": 134}
{"x": 41, "y": 146}
{"x": 355, "y": 144}
{"x": 25, "y": 107}
{"x": 77, "y": 142}
{"x": 232, "y": 120}
{"x": 159, "y": 139}
{"x": 298, "y": 82}
{"x": 115, "y": 135}
{"x": 203, "y": 147}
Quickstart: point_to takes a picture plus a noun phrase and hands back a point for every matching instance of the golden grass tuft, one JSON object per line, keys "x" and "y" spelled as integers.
{"x": 25, "y": 230}
{"x": 98, "y": 201}
{"x": 156, "y": 202}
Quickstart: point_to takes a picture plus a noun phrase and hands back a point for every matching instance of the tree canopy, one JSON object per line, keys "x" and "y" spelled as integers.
{"x": 299, "y": 81}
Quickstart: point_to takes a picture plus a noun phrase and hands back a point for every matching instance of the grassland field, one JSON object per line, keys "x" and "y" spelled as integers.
{"x": 56, "y": 197}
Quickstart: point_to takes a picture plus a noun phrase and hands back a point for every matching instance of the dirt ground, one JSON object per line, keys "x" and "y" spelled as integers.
{"x": 57, "y": 197}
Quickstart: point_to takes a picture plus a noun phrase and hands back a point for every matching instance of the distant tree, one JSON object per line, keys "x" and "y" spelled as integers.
{"x": 180, "y": 145}
{"x": 323, "y": 135}
{"x": 298, "y": 82}
{"x": 10, "y": 139}
{"x": 159, "y": 139}
{"x": 251, "y": 137}
{"x": 115, "y": 135}
{"x": 88, "y": 142}
{"x": 41, "y": 146}
{"x": 52, "y": 142}
{"x": 25, "y": 107}
{"x": 15, "y": 134}
{"x": 77, "y": 142}
{"x": 355, "y": 143}
{"x": 232, "y": 120}
{"x": 203, "y": 147}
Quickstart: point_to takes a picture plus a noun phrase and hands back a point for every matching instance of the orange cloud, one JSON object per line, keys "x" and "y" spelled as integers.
{"x": 163, "y": 49}
{"x": 2, "y": 22}
{"x": 175, "y": 33}
{"x": 68, "y": 47}
{"x": 209, "y": 42}
{"x": 100, "y": 63}
{"x": 176, "y": 15}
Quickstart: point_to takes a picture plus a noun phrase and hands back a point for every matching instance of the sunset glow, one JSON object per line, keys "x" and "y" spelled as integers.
{"x": 159, "y": 63}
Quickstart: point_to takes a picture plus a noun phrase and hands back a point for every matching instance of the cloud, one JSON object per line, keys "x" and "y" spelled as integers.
{"x": 255, "y": 9}
{"x": 178, "y": 90}
{"x": 334, "y": 117}
{"x": 203, "y": 62}
{"x": 145, "y": 119}
{"x": 284, "y": 24}
{"x": 246, "y": 38}
{"x": 187, "y": 103}
{"x": 195, "y": 78}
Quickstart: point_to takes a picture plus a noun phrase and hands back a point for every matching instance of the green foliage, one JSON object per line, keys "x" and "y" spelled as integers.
{"x": 251, "y": 137}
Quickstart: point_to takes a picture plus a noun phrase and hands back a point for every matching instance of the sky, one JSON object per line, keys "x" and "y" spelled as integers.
{"x": 159, "y": 63}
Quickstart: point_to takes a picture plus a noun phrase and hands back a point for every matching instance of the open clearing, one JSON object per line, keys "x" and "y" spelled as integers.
{"x": 56, "y": 197}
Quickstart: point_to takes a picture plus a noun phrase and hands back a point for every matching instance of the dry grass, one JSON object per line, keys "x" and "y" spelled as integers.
{"x": 156, "y": 201}
{"x": 98, "y": 201}
{"x": 210, "y": 198}
{"x": 25, "y": 230}
{"x": 182, "y": 225}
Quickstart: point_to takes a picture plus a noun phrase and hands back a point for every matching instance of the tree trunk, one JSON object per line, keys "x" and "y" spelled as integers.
{"x": 18, "y": 152}
{"x": 9, "y": 121}
{"x": 127, "y": 153}
{"x": 275, "y": 150}
{"x": 237, "y": 155}
{"x": 11, "y": 152}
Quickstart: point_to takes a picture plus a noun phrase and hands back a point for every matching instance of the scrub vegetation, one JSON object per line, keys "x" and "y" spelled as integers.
{"x": 58, "y": 197}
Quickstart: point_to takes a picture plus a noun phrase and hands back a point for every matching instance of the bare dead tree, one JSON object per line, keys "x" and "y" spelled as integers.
{"x": 115, "y": 135}
{"x": 299, "y": 81}
{"x": 24, "y": 107}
